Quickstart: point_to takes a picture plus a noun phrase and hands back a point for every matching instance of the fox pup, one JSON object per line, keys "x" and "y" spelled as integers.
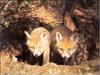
{"x": 38, "y": 42}
{"x": 63, "y": 42}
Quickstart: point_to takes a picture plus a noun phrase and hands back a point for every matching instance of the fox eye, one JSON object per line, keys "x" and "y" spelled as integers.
{"x": 32, "y": 47}
{"x": 69, "y": 49}
{"x": 60, "y": 50}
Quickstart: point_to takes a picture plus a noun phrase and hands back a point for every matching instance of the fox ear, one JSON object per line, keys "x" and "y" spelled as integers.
{"x": 59, "y": 37}
{"x": 27, "y": 34}
{"x": 75, "y": 38}
{"x": 44, "y": 35}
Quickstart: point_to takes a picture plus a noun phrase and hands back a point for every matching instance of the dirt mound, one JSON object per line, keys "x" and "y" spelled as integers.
{"x": 9, "y": 66}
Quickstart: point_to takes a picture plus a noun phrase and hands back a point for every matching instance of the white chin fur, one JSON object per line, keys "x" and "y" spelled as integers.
{"x": 68, "y": 54}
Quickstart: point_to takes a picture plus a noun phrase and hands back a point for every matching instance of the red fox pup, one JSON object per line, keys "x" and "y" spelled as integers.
{"x": 63, "y": 42}
{"x": 38, "y": 42}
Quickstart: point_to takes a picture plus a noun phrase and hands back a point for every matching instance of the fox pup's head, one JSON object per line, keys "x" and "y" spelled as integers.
{"x": 38, "y": 41}
{"x": 65, "y": 45}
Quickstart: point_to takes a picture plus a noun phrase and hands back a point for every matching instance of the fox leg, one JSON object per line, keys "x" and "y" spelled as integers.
{"x": 46, "y": 56}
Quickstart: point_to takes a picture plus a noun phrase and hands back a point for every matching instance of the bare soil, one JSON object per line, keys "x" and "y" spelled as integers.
{"x": 9, "y": 66}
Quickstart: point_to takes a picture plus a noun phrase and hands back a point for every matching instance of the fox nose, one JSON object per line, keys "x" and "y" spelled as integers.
{"x": 65, "y": 59}
{"x": 36, "y": 55}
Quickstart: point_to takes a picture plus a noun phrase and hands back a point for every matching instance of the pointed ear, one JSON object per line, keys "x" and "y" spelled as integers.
{"x": 27, "y": 34}
{"x": 44, "y": 35}
{"x": 74, "y": 37}
{"x": 59, "y": 37}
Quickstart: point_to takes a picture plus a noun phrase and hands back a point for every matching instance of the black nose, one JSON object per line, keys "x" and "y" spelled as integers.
{"x": 65, "y": 59}
{"x": 36, "y": 55}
